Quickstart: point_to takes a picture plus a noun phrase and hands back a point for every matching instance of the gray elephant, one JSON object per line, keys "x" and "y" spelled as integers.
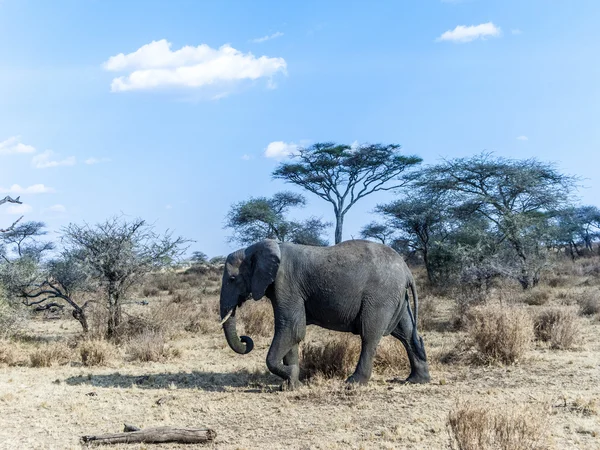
{"x": 356, "y": 286}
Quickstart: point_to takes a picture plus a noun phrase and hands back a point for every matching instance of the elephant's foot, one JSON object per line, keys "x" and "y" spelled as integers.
{"x": 357, "y": 379}
{"x": 412, "y": 379}
{"x": 290, "y": 385}
{"x": 418, "y": 379}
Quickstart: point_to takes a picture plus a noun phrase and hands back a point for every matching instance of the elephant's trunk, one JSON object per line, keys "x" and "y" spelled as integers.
{"x": 239, "y": 345}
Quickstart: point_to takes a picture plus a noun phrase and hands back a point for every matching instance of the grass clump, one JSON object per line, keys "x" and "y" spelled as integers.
{"x": 589, "y": 303}
{"x": 337, "y": 358}
{"x": 473, "y": 426}
{"x": 500, "y": 333}
{"x": 96, "y": 352}
{"x": 258, "y": 319}
{"x": 559, "y": 326}
{"x": 536, "y": 297}
{"x": 48, "y": 354}
{"x": 333, "y": 359}
{"x": 150, "y": 346}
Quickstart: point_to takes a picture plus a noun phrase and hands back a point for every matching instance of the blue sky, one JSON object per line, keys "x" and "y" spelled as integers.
{"x": 182, "y": 134}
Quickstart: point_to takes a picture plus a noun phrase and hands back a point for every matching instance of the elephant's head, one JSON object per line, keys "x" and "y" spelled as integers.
{"x": 248, "y": 273}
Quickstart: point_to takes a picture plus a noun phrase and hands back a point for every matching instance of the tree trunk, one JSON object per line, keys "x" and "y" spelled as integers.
{"x": 339, "y": 225}
{"x": 79, "y": 314}
{"x": 114, "y": 312}
{"x": 155, "y": 435}
{"x": 427, "y": 265}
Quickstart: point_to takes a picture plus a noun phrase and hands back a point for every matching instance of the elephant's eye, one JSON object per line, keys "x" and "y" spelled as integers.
{"x": 232, "y": 278}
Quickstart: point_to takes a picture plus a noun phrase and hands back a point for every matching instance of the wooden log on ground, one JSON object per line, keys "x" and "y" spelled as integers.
{"x": 156, "y": 435}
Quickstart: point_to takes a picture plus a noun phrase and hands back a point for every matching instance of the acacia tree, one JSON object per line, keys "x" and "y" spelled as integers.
{"x": 576, "y": 229}
{"x": 516, "y": 196}
{"x": 8, "y": 199}
{"x": 41, "y": 285}
{"x": 378, "y": 231}
{"x": 265, "y": 218}
{"x": 117, "y": 254}
{"x": 421, "y": 220}
{"x": 342, "y": 175}
{"x": 27, "y": 276}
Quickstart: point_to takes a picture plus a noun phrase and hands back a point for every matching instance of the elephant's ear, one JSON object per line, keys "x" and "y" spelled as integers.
{"x": 266, "y": 257}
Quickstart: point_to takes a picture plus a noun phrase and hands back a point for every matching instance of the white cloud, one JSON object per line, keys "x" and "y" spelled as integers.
{"x": 464, "y": 33}
{"x": 15, "y": 189}
{"x": 44, "y": 161}
{"x": 92, "y": 160}
{"x": 19, "y": 210}
{"x": 522, "y": 138}
{"x": 13, "y": 145}
{"x": 247, "y": 157}
{"x": 280, "y": 149}
{"x": 155, "y": 66}
{"x": 268, "y": 37}
{"x": 58, "y": 208}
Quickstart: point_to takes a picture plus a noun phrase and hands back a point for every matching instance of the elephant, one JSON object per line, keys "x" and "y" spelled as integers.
{"x": 357, "y": 286}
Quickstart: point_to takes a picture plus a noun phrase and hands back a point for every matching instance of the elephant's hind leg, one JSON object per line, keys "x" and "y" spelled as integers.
{"x": 363, "y": 371}
{"x": 419, "y": 369}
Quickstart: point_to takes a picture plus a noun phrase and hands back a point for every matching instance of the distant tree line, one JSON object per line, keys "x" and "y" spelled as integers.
{"x": 467, "y": 220}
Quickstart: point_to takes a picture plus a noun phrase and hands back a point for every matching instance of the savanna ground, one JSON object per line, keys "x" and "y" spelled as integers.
{"x": 491, "y": 375}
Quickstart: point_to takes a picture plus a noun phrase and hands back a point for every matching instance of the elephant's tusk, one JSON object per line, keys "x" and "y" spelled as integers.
{"x": 227, "y": 316}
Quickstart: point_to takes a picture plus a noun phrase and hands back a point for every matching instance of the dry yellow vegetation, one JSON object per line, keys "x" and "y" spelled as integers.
{"x": 514, "y": 376}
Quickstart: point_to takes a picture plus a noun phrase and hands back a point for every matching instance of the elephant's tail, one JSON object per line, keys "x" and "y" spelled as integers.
{"x": 417, "y": 340}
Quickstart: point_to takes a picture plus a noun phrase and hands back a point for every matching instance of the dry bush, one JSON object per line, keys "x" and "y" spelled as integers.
{"x": 150, "y": 346}
{"x": 205, "y": 319}
{"x": 51, "y": 353}
{"x": 150, "y": 291}
{"x": 535, "y": 297}
{"x": 96, "y": 352}
{"x": 500, "y": 333}
{"x": 185, "y": 296}
{"x": 427, "y": 313}
{"x": 12, "y": 318}
{"x": 558, "y": 281}
{"x": 338, "y": 357}
{"x": 559, "y": 326}
{"x": 258, "y": 318}
{"x": 8, "y": 353}
{"x": 164, "y": 281}
{"x": 390, "y": 357}
{"x": 335, "y": 358}
{"x": 589, "y": 303}
{"x": 473, "y": 426}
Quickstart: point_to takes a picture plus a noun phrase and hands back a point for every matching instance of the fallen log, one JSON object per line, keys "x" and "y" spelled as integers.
{"x": 158, "y": 435}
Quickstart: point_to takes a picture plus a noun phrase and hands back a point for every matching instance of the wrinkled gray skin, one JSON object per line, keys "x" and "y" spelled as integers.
{"x": 357, "y": 286}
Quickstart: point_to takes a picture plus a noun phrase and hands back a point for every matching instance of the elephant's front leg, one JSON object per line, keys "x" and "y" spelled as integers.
{"x": 282, "y": 359}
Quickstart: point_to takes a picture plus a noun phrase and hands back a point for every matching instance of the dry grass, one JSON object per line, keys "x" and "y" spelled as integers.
{"x": 391, "y": 357}
{"x": 427, "y": 313}
{"x": 536, "y": 297}
{"x": 333, "y": 359}
{"x": 150, "y": 346}
{"x": 473, "y": 426}
{"x": 559, "y": 326}
{"x": 589, "y": 302}
{"x": 337, "y": 357}
{"x": 96, "y": 352}
{"x": 258, "y": 318}
{"x": 49, "y": 354}
{"x": 8, "y": 353}
{"x": 501, "y": 334}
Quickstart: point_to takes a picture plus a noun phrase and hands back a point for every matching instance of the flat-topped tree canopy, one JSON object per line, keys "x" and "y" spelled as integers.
{"x": 342, "y": 174}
